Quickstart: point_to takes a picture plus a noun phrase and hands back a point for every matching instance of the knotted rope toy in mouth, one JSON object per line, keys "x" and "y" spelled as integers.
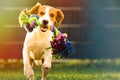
{"x": 60, "y": 43}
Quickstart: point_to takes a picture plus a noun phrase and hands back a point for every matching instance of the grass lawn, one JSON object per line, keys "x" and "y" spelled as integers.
{"x": 71, "y": 70}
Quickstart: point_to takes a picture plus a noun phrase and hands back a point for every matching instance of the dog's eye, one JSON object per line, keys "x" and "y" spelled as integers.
{"x": 51, "y": 15}
{"x": 42, "y": 13}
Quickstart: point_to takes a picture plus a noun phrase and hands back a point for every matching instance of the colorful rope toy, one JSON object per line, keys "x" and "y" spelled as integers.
{"x": 60, "y": 44}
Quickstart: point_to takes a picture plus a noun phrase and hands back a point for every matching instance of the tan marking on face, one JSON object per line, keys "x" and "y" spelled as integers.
{"x": 41, "y": 11}
{"x": 52, "y": 14}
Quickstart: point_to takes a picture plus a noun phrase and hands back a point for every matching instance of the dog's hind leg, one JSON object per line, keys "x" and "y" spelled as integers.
{"x": 28, "y": 64}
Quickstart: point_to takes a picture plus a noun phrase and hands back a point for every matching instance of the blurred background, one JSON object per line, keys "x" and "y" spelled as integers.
{"x": 92, "y": 25}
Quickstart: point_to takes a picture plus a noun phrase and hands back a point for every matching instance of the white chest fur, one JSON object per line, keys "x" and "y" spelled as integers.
{"x": 37, "y": 42}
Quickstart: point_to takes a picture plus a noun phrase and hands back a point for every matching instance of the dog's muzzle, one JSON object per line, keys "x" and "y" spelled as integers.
{"x": 44, "y": 26}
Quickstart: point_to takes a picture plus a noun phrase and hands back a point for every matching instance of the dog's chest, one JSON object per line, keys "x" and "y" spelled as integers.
{"x": 38, "y": 37}
{"x": 38, "y": 41}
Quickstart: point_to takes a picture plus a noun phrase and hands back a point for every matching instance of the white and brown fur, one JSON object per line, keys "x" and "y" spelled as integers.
{"x": 37, "y": 42}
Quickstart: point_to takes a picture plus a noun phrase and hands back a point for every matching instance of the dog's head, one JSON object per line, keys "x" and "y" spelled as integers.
{"x": 48, "y": 15}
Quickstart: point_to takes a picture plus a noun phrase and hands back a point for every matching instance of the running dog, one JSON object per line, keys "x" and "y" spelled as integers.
{"x": 37, "y": 42}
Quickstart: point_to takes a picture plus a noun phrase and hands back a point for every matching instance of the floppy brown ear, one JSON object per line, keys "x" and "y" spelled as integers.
{"x": 34, "y": 9}
{"x": 59, "y": 18}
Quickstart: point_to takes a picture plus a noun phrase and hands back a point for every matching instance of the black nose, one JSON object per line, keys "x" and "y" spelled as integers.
{"x": 45, "y": 22}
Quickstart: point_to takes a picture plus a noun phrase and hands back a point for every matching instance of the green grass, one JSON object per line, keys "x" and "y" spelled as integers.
{"x": 75, "y": 70}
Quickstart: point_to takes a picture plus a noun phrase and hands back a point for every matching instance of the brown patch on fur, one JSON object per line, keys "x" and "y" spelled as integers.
{"x": 56, "y": 15}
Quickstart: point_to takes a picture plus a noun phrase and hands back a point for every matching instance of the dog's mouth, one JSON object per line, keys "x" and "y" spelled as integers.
{"x": 44, "y": 28}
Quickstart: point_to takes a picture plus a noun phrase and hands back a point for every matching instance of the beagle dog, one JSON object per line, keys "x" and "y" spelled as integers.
{"x": 37, "y": 42}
